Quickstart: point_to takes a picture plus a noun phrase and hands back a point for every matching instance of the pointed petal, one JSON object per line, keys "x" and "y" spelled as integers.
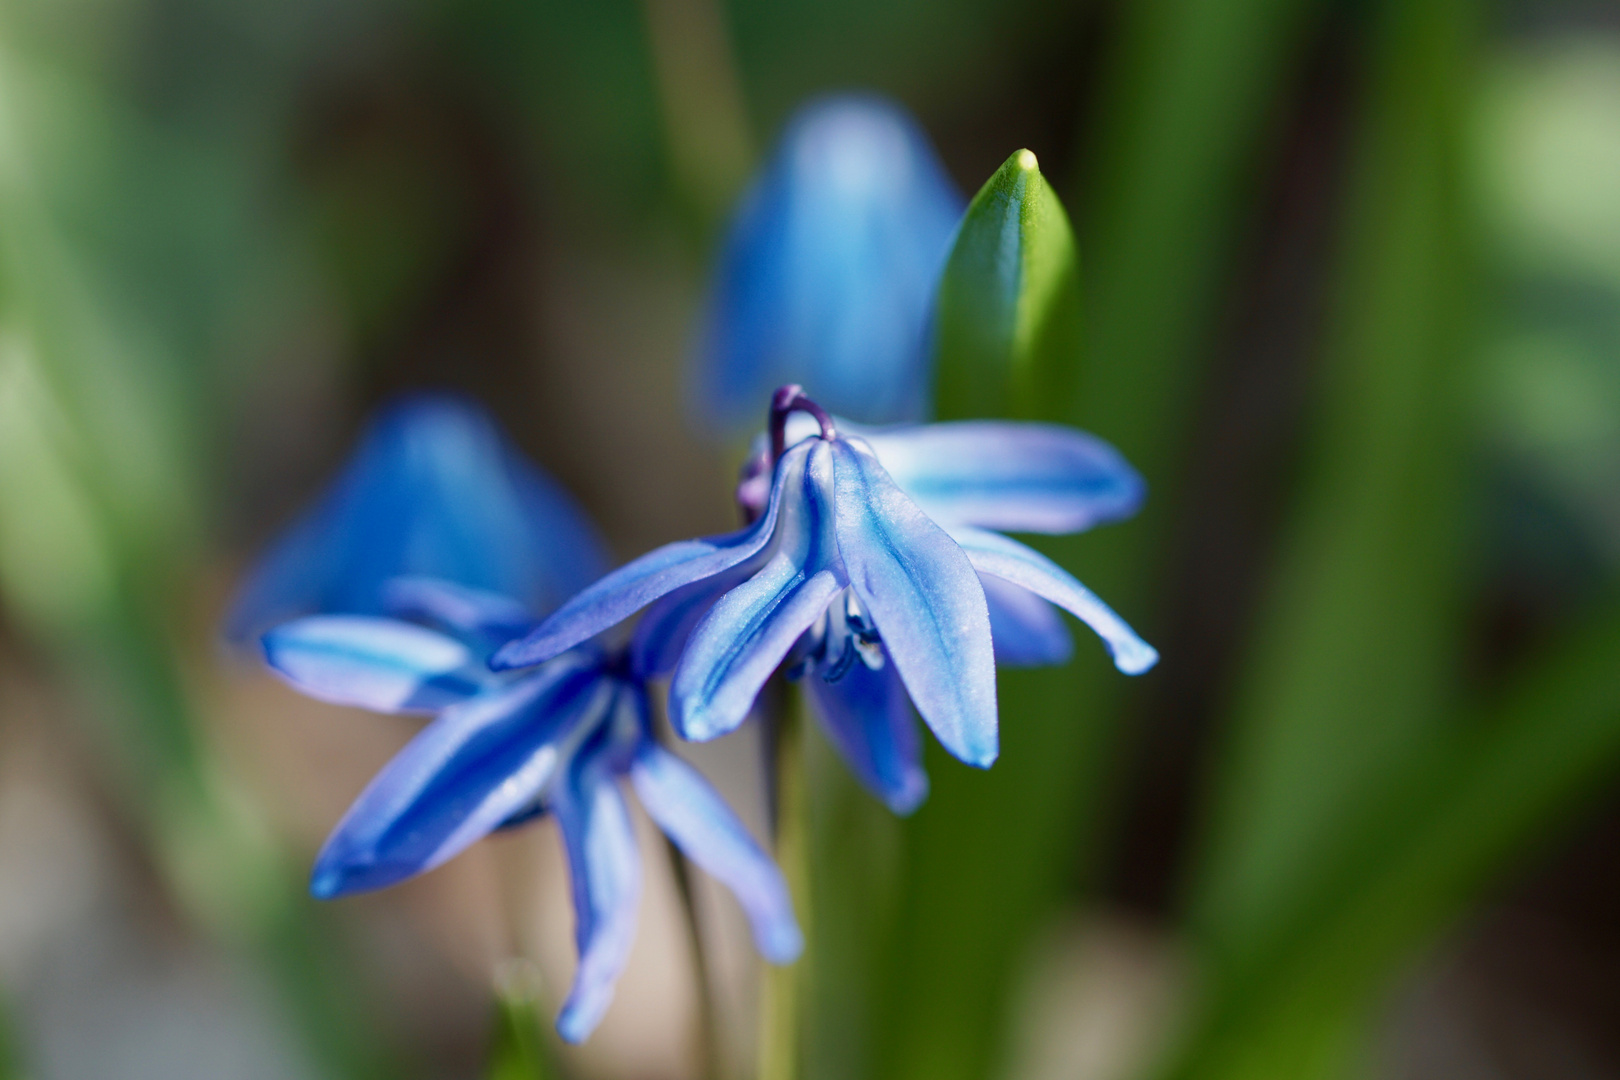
{"x": 662, "y": 633}
{"x": 1027, "y": 631}
{"x": 693, "y": 815}
{"x": 459, "y": 608}
{"x": 992, "y": 553}
{"x": 926, "y": 600}
{"x": 868, "y": 716}
{"x": 736, "y": 646}
{"x": 1021, "y": 477}
{"x": 469, "y": 770}
{"x": 604, "y": 869}
{"x": 631, "y": 587}
{"x": 380, "y": 664}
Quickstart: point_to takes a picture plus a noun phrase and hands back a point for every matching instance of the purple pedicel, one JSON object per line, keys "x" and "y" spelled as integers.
{"x": 789, "y": 399}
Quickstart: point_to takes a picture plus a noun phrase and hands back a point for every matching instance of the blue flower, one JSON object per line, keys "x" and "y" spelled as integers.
{"x": 436, "y": 545}
{"x": 828, "y": 272}
{"x": 433, "y": 489}
{"x": 874, "y": 565}
{"x": 503, "y": 748}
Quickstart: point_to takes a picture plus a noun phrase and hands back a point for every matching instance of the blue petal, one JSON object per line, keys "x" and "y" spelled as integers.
{"x": 693, "y": 815}
{"x": 637, "y": 584}
{"x": 434, "y": 489}
{"x": 926, "y": 600}
{"x": 736, "y": 646}
{"x": 1011, "y": 561}
{"x": 604, "y": 868}
{"x": 1021, "y": 477}
{"x": 477, "y": 765}
{"x": 474, "y": 612}
{"x": 829, "y": 268}
{"x": 1027, "y": 631}
{"x": 869, "y": 717}
{"x": 662, "y": 633}
{"x": 379, "y": 664}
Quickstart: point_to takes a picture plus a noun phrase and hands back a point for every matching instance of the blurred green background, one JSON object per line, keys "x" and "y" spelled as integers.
{"x": 1352, "y": 304}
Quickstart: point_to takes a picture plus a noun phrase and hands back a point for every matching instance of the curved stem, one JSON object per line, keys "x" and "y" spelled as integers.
{"x": 710, "y": 1062}
{"x": 790, "y": 399}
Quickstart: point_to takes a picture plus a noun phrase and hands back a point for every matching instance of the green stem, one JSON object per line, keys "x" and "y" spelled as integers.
{"x": 781, "y": 1051}
{"x": 10, "y": 1056}
{"x": 519, "y": 1049}
{"x": 710, "y": 1061}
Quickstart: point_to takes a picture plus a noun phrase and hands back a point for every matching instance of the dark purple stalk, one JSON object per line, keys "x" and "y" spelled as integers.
{"x": 789, "y": 399}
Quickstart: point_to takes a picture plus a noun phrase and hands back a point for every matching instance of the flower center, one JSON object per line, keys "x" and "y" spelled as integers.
{"x": 786, "y": 401}
{"x": 842, "y": 637}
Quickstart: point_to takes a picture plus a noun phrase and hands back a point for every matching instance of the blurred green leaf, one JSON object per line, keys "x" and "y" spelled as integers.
{"x": 1458, "y": 820}
{"x": 1354, "y": 666}
{"x": 1187, "y": 98}
{"x": 1549, "y": 152}
{"x": 1355, "y": 656}
{"x": 98, "y": 526}
{"x": 1007, "y": 318}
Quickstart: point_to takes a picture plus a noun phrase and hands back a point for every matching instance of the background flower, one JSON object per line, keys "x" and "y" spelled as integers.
{"x": 829, "y": 268}
{"x": 433, "y": 489}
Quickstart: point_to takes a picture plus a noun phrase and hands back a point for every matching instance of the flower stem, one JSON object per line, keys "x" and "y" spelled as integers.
{"x": 782, "y": 1006}
{"x": 710, "y": 1060}
{"x": 791, "y": 399}
{"x": 519, "y": 1048}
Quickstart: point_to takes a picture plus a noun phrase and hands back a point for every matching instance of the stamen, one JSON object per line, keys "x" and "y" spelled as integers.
{"x": 789, "y": 399}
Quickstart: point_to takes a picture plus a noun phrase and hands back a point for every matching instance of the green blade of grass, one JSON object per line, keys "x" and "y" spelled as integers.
{"x": 1354, "y": 659}
{"x": 1185, "y": 104}
{"x": 1459, "y": 820}
{"x": 1353, "y": 671}
{"x": 990, "y": 854}
{"x": 96, "y": 529}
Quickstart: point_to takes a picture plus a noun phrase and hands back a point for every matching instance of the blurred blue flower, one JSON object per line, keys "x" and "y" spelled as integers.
{"x": 433, "y": 489}
{"x": 829, "y": 268}
{"x": 884, "y": 580}
{"x": 503, "y": 748}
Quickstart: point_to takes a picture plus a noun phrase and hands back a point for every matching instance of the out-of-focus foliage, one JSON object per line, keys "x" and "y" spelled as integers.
{"x": 1351, "y": 303}
{"x": 1549, "y": 135}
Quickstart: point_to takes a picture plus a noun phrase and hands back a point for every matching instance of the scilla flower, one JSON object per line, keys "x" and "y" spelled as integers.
{"x": 829, "y": 269}
{"x": 502, "y": 749}
{"x": 434, "y": 489}
{"x": 884, "y": 587}
{"x": 396, "y": 560}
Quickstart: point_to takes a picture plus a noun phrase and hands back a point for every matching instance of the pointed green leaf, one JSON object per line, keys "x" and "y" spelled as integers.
{"x": 986, "y": 856}
{"x": 1007, "y": 321}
